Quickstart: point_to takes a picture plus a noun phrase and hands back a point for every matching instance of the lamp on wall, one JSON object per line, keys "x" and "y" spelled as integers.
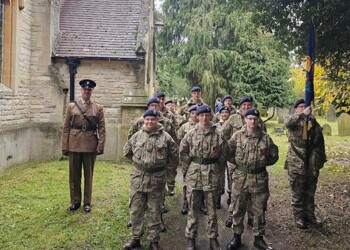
{"x": 159, "y": 25}
{"x": 21, "y": 4}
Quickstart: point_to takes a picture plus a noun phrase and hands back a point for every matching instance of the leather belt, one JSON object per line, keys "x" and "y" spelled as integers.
{"x": 205, "y": 161}
{"x": 251, "y": 170}
{"x": 84, "y": 127}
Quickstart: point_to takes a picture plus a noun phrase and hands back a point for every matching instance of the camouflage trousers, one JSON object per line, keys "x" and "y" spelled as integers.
{"x": 194, "y": 200}
{"x": 303, "y": 192}
{"x": 253, "y": 189}
{"x": 149, "y": 204}
{"x": 170, "y": 178}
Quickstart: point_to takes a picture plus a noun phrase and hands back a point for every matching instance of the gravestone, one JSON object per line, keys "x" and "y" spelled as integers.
{"x": 327, "y": 130}
{"x": 278, "y": 130}
{"x": 344, "y": 124}
{"x": 281, "y": 114}
{"x": 331, "y": 114}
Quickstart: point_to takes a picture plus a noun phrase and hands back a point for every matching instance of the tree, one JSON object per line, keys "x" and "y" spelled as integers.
{"x": 215, "y": 44}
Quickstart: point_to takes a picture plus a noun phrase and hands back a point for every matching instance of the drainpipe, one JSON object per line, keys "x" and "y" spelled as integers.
{"x": 73, "y": 63}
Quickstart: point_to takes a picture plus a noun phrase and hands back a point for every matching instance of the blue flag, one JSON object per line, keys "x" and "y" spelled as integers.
{"x": 309, "y": 66}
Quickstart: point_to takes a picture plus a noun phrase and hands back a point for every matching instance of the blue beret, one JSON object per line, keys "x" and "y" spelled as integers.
{"x": 224, "y": 108}
{"x": 298, "y": 102}
{"x": 159, "y": 94}
{"x": 153, "y": 100}
{"x": 87, "y": 84}
{"x": 196, "y": 89}
{"x": 169, "y": 101}
{"x": 193, "y": 108}
{"x": 151, "y": 112}
{"x": 227, "y": 97}
{"x": 253, "y": 111}
{"x": 245, "y": 99}
{"x": 203, "y": 109}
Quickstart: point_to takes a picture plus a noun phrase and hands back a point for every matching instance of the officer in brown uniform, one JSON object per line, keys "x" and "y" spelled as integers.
{"x": 83, "y": 138}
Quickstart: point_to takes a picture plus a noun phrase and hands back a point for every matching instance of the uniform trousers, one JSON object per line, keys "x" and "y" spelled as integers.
{"x": 77, "y": 162}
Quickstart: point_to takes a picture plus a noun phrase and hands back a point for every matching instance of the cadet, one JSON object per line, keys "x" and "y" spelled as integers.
{"x": 83, "y": 138}
{"x": 154, "y": 153}
{"x": 180, "y": 135}
{"x": 228, "y": 102}
{"x": 233, "y": 124}
{"x": 250, "y": 150}
{"x": 165, "y": 111}
{"x": 305, "y": 157}
{"x": 203, "y": 153}
{"x": 170, "y": 104}
{"x": 196, "y": 99}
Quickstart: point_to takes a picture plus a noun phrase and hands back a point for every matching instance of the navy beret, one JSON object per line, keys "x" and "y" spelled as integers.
{"x": 159, "y": 94}
{"x": 298, "y": 102}
{"x": 245, "y": 99}
{"x": 224, "y": 108}
{"x": 193, "y": 108}
{"x": 203, "y": 109}
{"x": 151, "y": 112}
{"x": 227, "y": 97}
{"x": 87, "y": 84}
{"x": 196, "y": 89}
{"x": 169, "y": 101}
{"x": 153, "y": 100}
{"x": 252, "y": 112}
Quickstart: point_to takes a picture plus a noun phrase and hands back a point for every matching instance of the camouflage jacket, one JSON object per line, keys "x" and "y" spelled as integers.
{"x": 252, "y": 152}
{"x": 297, "y": 159}
{"x": 216, "y": 118}
{"x": 235, "y": 123}
{"x": 184, "y": 109}
{"x": 185, "y": 128}
{"x": 154, "y": 154}
{"x": 203, "y": 145}
{"x": 167, "y": 126}
{"x": 168, "y": 114}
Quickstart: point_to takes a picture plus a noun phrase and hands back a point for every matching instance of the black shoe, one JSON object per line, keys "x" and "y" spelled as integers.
{"x": 214, "y": 244}
{"x": 300, "y": 221}
{"x": 87, "y": 208}
{"x": 313, "y": 221}
{"x": 184, "y": 209}
{"x": 250, "y": 223}
{"x": 191, "y": 244}
{"x": 154, "y": 245}
{"x": 218, "y": 203}
{"x": 229, "y": 222}
{"x": 129, "y": 224}
{"x": 171, "y": 190}
{"x": 259, "y": 243}
{"x": 203, "y": 209}
{"x": 73, "y": 207}
{"x": 229, "y": 199}
{"x": 132, "y": 244}
{"x": 235, "y": 242}
{"x": 162, "y": 227}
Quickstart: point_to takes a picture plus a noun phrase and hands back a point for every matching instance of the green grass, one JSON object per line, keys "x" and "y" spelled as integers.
{"x": 34, "y": 198}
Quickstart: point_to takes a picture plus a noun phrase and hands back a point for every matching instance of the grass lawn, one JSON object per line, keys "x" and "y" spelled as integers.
{"x": 35, "y": 196}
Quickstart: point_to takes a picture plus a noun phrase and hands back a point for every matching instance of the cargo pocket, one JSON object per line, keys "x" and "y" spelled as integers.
{"x": 138, "y": 149}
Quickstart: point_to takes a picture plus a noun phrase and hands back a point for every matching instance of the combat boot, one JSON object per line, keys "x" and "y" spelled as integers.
{"x": 214, "y": 244}
{"x": 229, "y": 221}
{"x": 191, "y": 244}
{"x": 171, "y": 190}
{"x": 154, "y": 245}
{"x": 313, "y": 221}
{"x": 184, "y": 209}
{"x": 129, "y": 224}
{"x": 218, "y": 203}
{"x": 259, "y": 243}
{"x": 235, "y": 242}
{"x": 164, "y": 209}
{"x": 162, "y": 227}
{"x": 132, "y": 244}
{"x": 300, "y": 221}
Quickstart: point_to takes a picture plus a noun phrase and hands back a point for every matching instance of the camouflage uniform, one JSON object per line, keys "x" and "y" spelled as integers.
{"x": 221, "y": 189}
{"x": 251, "y": 155}
{"x": 232, "y": 125}
{"x": 154, "y": 155}
{"x": 303, "y": 175}
{"x": 203, "y": 154}
{"x": 168, "y": 114}
{"x": 216, "y": 118}
{"x": 184, "y": 110}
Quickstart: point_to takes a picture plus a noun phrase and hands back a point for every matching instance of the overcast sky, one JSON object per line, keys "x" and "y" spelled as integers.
{"x": 158, "y": 3}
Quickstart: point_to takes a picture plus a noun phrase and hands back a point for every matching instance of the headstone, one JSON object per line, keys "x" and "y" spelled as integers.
{"x": 344, "y": 124}
{"x": 281, "y": 114}
{"x": 278, "y": 130}
{"x": 331, "y": 114}
{"x": 327, "y": 130}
